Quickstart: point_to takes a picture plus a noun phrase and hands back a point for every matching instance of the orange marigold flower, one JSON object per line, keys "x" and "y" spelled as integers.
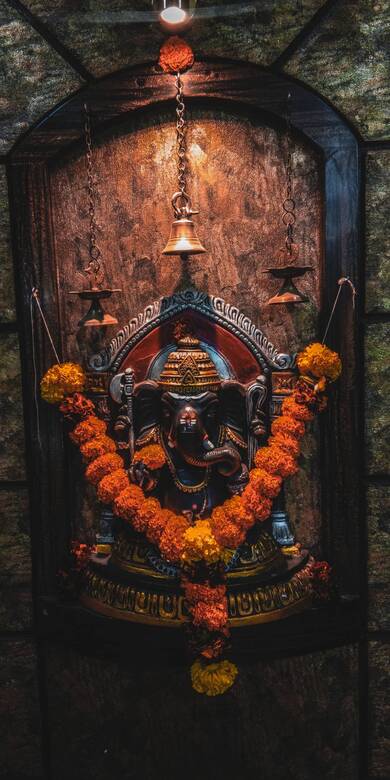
{"x": 195, "y": 591}
{"x": 267, "y": 484}
{"x": 237, "y": 511}
{"x": 77, "y": 405}
{"x": 175, "y": 55}
{"x": 148, "y": 509}
{"x": 299, "y": 411}
{"x": 319, "y": 361}
{"x": 226, "y": 532}
{"x": 153, "y": 456}
{"x": 276, "y": 461}
{"x": 88, "y": 429}
{"x": 111, "y": 485}
{"x": 103, "y": 465}
{"x": 288, "y": 426}
{"x": 157, "y": 523}
{"x": 95, "y": 447}
{"x": 200, "y": 543}
{"x": 258, "y": 504}
{"x": 128, "y": 502}
{"x": 214, "y": 617}
{"x": 61, "y": 380}
{"x": 172, "y": 538}
{"x": 286, "y": 443}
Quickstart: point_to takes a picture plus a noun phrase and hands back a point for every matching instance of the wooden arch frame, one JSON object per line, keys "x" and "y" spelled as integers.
{"x": 218, "y": 82}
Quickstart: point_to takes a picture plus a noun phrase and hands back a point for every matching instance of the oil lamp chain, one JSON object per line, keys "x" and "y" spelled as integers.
{"x": 94, "y": 266}
{"x": 289, "y": 217}
{"x": 181, "y": 137}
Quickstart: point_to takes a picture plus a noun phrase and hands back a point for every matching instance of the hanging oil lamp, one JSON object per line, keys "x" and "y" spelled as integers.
{"x": 183, "y": 240}
{"x": 95, "y": 316}
{"x": 288, "y": 270}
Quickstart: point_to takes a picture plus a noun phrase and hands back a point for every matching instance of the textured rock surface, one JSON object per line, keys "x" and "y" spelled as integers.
{"x": 378, "y": 520}
{"x": 377, "y": 232}
{"x": 12, "y": 465}
{"x": 19, "y": 712}
{"x": 7, "y": 298}
{"x": 379, "y": 710}
{"x": 378, "y": 398}
{"x": 356, "y": 36}
{"x": 35, "y": 77}
{"x": 108, "y": 39}
{"x": 15, "y": 561}
{"x": 291, "y": 719}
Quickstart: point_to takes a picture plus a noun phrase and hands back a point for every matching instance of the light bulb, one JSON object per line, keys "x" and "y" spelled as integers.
{"x": 173, "y": 15}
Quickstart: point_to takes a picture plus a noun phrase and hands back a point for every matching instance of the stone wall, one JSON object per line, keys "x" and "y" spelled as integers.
{"x": 47, "y": 51}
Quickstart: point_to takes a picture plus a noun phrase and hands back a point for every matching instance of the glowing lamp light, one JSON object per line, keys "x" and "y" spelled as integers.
{"x": 175, "y": 15}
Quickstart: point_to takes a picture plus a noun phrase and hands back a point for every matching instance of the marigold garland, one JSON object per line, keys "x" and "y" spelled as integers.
{"x": 201, "y": 544}
{"x": 276, "y": 461}
{"x": 152, "y": 456}
{"x": 103, "y": 465}
{"x": 213, "y": 679}
{"x": 61, "y": 380}
{"x": 319, "y": 361}
{"x": 77, "y": 405}
{"x": 100, "y": 445}
{"x": 210, "y": 541}
{"x": 88, "y": 429}
{"x": 111, "y": 485}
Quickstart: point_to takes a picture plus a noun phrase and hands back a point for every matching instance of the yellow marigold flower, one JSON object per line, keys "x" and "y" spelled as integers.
{"x": 320, "y": 361}
{"x": 61, "y": 380}
{"x": 200, "y": 543}
{"x": 153, "y": 456}
{"x": 213, "y": 679}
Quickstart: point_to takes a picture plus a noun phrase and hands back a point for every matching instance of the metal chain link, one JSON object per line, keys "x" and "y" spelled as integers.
{"x": 94, "y": 266}
{"x": 289, "y": 217}
{"x": 181, "y": 137}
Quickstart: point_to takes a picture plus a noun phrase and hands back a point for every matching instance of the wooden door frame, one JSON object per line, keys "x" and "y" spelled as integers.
{"x": 220, "y": 83}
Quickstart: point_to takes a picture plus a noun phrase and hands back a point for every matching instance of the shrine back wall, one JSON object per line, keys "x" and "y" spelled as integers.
{"x": 67, "y": 712}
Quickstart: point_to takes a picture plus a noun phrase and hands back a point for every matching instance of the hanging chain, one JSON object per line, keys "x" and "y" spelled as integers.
{"x": 94, "y": 267}
{"x": 181, "y": 138}
{"x": 289, "y": 217}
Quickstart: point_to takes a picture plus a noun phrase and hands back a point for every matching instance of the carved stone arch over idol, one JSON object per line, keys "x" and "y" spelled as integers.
{"x": 213, "y": 308}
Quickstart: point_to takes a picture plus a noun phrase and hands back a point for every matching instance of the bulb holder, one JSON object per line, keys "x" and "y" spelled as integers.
{"x": 174, "y": 15}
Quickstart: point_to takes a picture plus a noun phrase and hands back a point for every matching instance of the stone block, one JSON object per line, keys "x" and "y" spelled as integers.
{"x": 378, "y": 519}
{"x": 258, "y": 31}
{"x": 377, "y": 232}
{"x": 377, "y": 362}
{"x": 379, "y": 710}
{"x": 20, "y": 725}
{"x": 7, "y": 297}
{"x": 12, "y": 462}
{"x": 15, "y": 562}
{"x": 113, "y": 717}
{"x": 35, "y": 78}
{"x": 346, "y": 60}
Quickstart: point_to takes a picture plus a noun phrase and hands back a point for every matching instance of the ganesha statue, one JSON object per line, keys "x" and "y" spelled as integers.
{"x": 200, "y": 382}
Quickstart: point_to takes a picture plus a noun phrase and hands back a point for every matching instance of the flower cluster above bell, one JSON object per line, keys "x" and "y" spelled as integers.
{"x": 183, "y": 239}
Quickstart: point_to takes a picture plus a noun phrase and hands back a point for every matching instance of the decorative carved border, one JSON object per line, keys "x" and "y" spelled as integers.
{"x": 212, "y": 307}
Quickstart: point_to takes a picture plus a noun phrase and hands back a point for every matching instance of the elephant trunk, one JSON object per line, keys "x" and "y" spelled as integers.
{"x": 227, "y": 456}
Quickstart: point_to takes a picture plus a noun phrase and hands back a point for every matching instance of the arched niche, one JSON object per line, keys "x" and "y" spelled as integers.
{"x": 44, "y": 172}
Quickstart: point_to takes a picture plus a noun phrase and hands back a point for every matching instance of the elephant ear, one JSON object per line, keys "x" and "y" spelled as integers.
{"x": 233, "y": 411}
{"x": 146, "y": 411}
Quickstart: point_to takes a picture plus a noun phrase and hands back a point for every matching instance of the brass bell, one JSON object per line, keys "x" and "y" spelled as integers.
{"x": 183, "y": 239}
